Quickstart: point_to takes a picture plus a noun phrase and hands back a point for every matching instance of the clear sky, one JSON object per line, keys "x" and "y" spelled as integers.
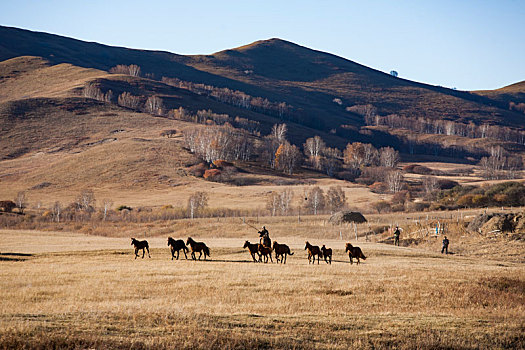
{"x": 466, "y": 44}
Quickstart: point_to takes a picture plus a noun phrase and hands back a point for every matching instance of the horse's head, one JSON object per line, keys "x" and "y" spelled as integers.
{"x": 133, "y": 241}
{"x": 307, "y": 245}
{"x": 274, "y": 244}
{"x": 348, "y": 247}
{"x": 189, "y": 240}
{"x": 246, "y": 244}
{"x": 170, "y": 240}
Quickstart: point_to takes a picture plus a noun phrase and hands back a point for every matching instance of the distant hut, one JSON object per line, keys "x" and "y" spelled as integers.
{"x": 351, "y": 217}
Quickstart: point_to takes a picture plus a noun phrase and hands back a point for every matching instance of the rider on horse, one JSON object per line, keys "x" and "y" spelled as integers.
{"x": 265, "y": 237}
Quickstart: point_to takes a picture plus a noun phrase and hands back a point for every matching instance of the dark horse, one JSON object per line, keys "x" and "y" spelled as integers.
{"x": 140, "y": 245}
{"x": 177, "y": 245}
{"x": 281, "y": 250}
{"x": 199, "y": 247}
{"x": 313, "y": 250}
{"x": 327, "y": 253}
{"x": 254, "y": 249}
{"x": 354, "y": 252}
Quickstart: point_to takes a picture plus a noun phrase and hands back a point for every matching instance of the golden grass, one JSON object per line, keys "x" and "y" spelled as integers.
{"x": 78, "y": 291}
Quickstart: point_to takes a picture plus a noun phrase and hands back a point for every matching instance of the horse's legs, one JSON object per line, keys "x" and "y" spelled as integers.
{"x": 270, "y": 255}
{"x": 178, "y": 254}
{"x": 136, "y": 252}
{"x": 184, "y": 251}
{"x": 284, "y": 258}
{"x": 200, "y": 254}
{"x": 149, "y": 256}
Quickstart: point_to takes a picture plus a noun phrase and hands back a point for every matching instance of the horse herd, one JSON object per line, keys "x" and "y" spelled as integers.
{"x": 263, "y": 253}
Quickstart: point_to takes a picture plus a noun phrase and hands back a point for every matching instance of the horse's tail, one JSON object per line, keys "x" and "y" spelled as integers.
{"x": 362, "y": 255}
{"x": 290, "y": 252}
{"x": 207, "y": 250}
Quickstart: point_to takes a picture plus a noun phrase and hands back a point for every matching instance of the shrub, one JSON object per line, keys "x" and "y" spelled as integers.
{"x": 212, "y": 174}
{"x": 378, "y": 187}
{"x": 198, "y": 170}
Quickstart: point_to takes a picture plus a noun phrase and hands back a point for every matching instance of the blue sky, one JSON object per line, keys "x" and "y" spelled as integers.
{"x": 465, "y": 44}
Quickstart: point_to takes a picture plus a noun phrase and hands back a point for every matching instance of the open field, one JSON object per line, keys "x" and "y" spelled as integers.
{"x": 61, "y": 289}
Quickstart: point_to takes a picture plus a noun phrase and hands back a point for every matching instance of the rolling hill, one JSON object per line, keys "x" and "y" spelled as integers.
{"x": 54, "y": 137}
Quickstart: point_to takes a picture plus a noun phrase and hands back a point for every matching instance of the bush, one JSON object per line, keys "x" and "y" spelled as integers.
{"x": 212, "y": 174}
{"x": 198, "y": 170}
{"x": 220, "y": 164}
{"x": 418, "y": 169}
{"x": 445, "y": 184}
{"x": 378, "y": 187}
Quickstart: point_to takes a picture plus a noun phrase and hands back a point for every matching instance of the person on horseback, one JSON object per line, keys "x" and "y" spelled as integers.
{"x": 265, "y": 237}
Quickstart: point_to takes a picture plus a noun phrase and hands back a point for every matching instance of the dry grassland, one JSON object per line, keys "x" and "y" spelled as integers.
{"x": 68, "y": 290}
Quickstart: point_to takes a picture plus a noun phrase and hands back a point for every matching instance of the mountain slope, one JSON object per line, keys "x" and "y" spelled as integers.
{"x": 275, "y": 69}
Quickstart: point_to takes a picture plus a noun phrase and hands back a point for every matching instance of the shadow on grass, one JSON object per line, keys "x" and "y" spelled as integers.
{"x": 14, "y": 256}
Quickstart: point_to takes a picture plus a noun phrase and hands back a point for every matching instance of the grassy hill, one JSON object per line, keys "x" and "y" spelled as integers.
{"x": 56, "y": 141}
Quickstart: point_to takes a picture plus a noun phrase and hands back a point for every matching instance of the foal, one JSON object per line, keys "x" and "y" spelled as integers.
{"x": 254, "y": 249}
{"x": 313, "y": 250}
{"x": 140, "y": 245}
{"x": 327, "y": 253}
{"x": 281, "y": 250}
{"x": 199, "y": 247}
{"x": 177, "y": 245}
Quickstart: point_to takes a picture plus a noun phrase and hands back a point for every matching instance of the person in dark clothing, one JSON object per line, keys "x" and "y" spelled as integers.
{"x": 265, "y": 237}
{"x": 445, "y": 245}
{"x": 397, "y": 233}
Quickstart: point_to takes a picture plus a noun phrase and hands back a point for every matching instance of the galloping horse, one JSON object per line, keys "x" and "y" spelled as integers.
{"x": 140, "y": 245}
{"x": 327, "y": 253}
{"x": 254, "y": 249}
{"x": 199, "y": 247}
{"x": 313, "y": 250}
{"x": 281, "y": 250}
{"x": 177, "y": 245}
{"x": 354, "y": 252}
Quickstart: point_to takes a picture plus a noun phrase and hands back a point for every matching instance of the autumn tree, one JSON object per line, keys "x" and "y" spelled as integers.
{"x": 330, "y": 161}
{"x": 389, "y": 157}
{"x": 56, "y": 210}
{"x": 335, "y": 198}
{"x": 430, "y": 186}
{"x": 20, "y": 201}
{"x": 197, "y": 202}
{"x": 279, "y": 132}
{"x": 313, "y": 149}
{"x": 394, "y": 180}
{"x": 86, "y": 201}
{"x": 108, "y": 203}
{"x": 128, "y": 100}
{"x": 315, "y": 200}
{"x": 154, "y": 105}
{"x": 287, "y": 158}
{"x": 279, "y": 202}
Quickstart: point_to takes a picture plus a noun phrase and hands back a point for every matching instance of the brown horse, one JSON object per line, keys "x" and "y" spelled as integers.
{"x": 354, "y": 252}
{"x": 177, "y": 245}
{"x": 254, "y": 249}
{"x": 313, "y": 250}
{"x": 265, "y": 252}
{"x": 140, "y": 245}
{"x": 197, "y": 247}
{"x": 327, "y": 253}
{"x": 281, "y": 250}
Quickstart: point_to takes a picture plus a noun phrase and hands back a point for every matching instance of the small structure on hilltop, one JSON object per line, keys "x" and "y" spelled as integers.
{"x": 350, "y": 217}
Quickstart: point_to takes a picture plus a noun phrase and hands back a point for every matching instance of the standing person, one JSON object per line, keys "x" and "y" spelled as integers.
{"x": 445, "y": 245}
{"x": 397, "y": 233}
